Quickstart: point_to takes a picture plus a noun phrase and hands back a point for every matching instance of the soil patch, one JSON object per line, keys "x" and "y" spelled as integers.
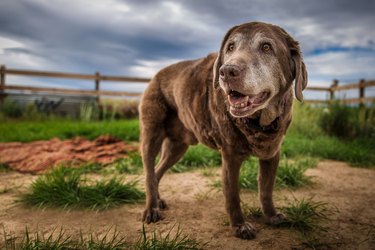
{"x": 198, "y": 208}
{"x": 38, "y": 156}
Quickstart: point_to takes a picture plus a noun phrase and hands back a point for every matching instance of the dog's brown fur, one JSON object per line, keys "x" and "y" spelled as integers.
{"x": 188, "y": 102}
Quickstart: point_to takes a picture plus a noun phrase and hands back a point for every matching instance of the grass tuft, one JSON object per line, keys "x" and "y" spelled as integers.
{"x": 106, "y": 242}
{"x": 197, "y": 156}
{"x": 289, "y": 173}
{"x": 168, "y": 242}
{"x": 65, "y": 187}
{"x": 305, "y": 215}
{"x": 3, "y": 168}
{"x": 132, "y": 164}
{"x": 109, "y": 241}
{"x": 252, "y": 212}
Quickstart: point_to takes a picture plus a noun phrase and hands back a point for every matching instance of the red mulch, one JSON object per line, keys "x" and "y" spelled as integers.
{"x": 38, "y": 156}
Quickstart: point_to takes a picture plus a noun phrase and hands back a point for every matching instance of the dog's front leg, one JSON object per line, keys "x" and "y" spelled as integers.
{"x": 266, "y": 181}
{"x": 231, "y": 164}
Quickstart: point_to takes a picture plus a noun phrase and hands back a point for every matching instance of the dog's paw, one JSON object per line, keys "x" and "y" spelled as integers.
{"x": 162, "y": 204}
{"x": 245, "y": 231}
{"x": 152, "y": 215}
{"x": 277, "y": 219}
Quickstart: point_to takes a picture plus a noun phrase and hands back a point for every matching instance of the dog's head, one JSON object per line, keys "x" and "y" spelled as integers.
{"x": 256, "y": 62}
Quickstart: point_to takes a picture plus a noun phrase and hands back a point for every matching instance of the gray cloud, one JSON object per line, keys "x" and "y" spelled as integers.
{"x": 137, "y": 37}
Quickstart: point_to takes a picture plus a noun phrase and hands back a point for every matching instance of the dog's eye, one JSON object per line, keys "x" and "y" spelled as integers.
{"x": 231, "y": 47}
{"x": 266, "y": 47}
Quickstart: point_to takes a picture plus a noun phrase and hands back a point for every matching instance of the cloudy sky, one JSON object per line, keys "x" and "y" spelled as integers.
{"x": 139, "y": 37}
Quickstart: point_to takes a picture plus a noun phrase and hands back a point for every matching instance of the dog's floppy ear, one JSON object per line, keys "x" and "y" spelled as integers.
{"x": 218, "y": 61}
{"x": 299, "y": 69}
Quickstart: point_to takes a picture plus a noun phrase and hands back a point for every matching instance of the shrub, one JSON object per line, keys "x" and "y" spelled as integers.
{"x": 11, "y": 108}
{"x": 348, "y": 122}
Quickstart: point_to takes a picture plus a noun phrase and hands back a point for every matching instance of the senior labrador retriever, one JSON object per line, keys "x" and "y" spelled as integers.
{"x": 237, "y": 101}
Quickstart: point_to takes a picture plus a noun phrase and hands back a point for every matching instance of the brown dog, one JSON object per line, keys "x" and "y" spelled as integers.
{"x": 237, "y": 101}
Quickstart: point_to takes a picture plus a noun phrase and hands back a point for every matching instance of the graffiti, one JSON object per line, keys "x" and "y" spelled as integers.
{"x": 46, "y": 105}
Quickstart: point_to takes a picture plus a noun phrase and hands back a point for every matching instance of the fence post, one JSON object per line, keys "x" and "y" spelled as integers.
{"x": 331, "y": 90}
{"x": 97, "y": 86}
{"x": 361, "y": 92}
{"x": 2, "y": 83}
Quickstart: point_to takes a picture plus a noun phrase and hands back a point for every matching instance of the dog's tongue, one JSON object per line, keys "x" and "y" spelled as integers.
{"x": 257, "y": 99}
{"x": 234, "y": 100}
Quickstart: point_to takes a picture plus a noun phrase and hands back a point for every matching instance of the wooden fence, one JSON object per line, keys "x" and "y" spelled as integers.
{"x": 361, "y": 86}
{"x": 99, "y": 78}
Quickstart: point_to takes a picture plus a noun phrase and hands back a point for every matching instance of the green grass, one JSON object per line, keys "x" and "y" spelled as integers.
{"x": 109, "y": 241}
{"x": 304, "y": 138}
{"x": 170, "y": 241}
{"x": 132, "y": 164}
{"x": 360, "y": 152}
{"x": 65, "y": 187}
{"x": 197, "y": 156}
{"x": 27, "y": 130}
{"x": 289, "y": 173}
{"x": 3, "y": 168}
{"x": 306, "y": 215}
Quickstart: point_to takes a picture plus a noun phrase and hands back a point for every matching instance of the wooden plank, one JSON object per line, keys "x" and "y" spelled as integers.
{"x": 358, "y": 100}
{"x": 344, "y": 101}
{"x": 124, "y": 79}
{"x": 316, "y": 101}
{"x": 2, "y": 75}
{"x": 313, "y": 88}
{"x": 75, "y": 76}
{"x": 70, "y": 91}
{"x": 353, "y": 86}
{"x": 370, "y": 83}
{"x": 50, "y": 74}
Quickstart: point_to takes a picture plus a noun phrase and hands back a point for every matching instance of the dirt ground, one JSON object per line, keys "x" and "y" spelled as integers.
{"x": 198, "y": 209}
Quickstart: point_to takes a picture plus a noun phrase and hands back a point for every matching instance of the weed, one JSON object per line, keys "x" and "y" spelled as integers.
{"x": 132, "y": 164}
{"x": 109, "y": 241}
{"x": 289, "y": 174}
{"x": 10, "y": 108}
{"x": 306, "y": 120}
{"x": 216, "y": 184}
{"x": 249, "y": 174}
{"x": 197, "y": 156}
{"x": 169, "y": 241}
{"x": 305, "y": 215}
{"x": 64, "y": 187}
{"x": 253, "y": 212}
{"x": 89, "y": 111}
{"x": 209, "y": 171}
{"x": 348, "y": 122}
{"x": 5, "y": 190}
{"x": 3, "y": 168}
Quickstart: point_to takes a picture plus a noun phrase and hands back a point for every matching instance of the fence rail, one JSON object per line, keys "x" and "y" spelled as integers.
{"x": 98, "y": 78}
{"x": 361, "y": 86}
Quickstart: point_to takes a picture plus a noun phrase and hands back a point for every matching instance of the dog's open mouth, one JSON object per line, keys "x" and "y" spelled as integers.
{"x": 240, "y": 104}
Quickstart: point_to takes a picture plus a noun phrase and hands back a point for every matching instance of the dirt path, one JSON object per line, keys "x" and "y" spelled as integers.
{"x": 199, "y": 210}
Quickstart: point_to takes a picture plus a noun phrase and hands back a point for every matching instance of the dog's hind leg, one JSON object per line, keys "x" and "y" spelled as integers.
{"x": 172, "y": 151}
{"x": 152, "y": 116}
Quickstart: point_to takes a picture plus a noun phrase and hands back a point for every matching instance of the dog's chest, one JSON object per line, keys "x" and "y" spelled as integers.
{"x": 264, "y": 142}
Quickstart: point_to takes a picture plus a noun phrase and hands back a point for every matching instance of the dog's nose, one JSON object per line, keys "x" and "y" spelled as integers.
{"x": 229, "y": 72}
